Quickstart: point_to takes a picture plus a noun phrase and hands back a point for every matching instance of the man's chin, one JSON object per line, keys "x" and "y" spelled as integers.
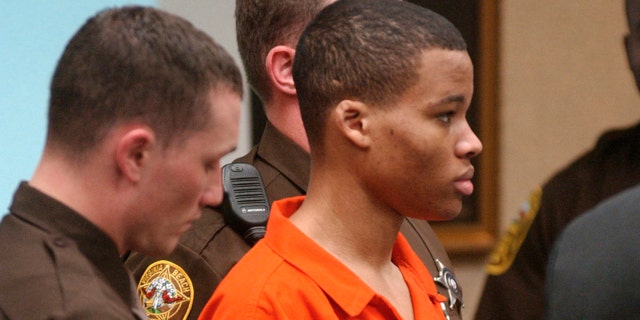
{"x": 443, "y": 215}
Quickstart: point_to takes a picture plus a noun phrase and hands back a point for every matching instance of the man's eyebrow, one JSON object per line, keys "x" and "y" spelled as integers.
{"x": 457, "y": 98}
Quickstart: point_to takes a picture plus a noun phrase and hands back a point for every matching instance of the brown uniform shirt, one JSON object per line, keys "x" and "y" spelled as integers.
{"x": 515, "y": 286}
{"x": 211, "y": 248}
{"x": 54, "y": 264}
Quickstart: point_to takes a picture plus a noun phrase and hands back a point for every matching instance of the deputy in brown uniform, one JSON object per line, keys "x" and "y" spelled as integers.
{"x": 267, "y": 32}
{"x": 137, "y": 98}
{"x": 515, "y": 286}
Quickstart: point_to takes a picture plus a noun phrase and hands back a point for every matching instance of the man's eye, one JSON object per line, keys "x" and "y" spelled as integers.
{"x": 446, "y": 117}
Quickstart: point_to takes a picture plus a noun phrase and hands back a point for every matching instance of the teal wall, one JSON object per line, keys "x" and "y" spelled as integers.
{"x": 33, "y": 34}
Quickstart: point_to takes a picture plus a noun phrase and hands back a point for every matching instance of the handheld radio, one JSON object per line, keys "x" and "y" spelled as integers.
{"x": 245, "y": 205}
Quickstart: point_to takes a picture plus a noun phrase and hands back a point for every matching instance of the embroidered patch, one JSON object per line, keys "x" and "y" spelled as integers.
{"x": 166, "y": 291}
{"x": 505, "y": 252}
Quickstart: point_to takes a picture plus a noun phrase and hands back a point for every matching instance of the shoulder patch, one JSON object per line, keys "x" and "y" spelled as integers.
{"x": 505, "y": 252}
{"x": 165, "y": 291}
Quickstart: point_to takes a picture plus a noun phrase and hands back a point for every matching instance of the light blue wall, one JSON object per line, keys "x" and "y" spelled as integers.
{"x": 33, "y": 34}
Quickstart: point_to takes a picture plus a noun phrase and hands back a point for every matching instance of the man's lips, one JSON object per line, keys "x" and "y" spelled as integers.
{"x": 464, "y": 184}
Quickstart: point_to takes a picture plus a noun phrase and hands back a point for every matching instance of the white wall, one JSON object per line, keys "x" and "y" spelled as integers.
{"x": 218, "y": 21}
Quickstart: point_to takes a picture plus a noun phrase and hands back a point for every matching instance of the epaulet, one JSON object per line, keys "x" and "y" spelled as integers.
{"x": 505, "y": 252}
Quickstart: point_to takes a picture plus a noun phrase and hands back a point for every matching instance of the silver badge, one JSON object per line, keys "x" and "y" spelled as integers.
{"x": 448, "y": 280}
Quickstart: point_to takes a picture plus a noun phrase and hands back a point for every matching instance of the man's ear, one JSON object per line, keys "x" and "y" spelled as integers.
{"x": 279, "y": 64}
{"x": 353, "y": 119}
{"x": 133, "y": 151}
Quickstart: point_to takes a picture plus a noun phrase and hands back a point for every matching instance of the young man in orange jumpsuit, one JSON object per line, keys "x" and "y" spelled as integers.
{"x": 384, "y": 87}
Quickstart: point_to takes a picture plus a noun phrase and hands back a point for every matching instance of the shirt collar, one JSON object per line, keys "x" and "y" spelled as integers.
{"x": 342, "y": 285}
{"x": 287, "y": 156}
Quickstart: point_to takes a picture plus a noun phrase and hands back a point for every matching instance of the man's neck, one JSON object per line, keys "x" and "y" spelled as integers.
{"x": 340, "y": 217}
{"x": 360, "y": 235}
{"x": 284, "y": 114}
{"x": 71, "y": 186}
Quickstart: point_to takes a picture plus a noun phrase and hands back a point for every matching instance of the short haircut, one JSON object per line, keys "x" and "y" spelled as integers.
{"x": 365, "y": 50}
{"x": 264, "y": 24}
{"x": 135, "y": 63}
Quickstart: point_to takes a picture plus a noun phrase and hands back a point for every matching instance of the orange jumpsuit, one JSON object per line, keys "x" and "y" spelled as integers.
{"x": 288, "y": 276}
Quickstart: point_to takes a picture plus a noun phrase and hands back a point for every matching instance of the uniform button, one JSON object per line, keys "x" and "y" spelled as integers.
{"x": 59, "y": 242}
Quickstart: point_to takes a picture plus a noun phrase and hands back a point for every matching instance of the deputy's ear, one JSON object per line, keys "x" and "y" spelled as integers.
{"x": 279, "y": 64}
{"x": 353, "y": 121}
{"x": 133, "y": 151}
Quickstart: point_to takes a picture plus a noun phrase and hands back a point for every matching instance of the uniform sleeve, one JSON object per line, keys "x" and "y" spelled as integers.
{"x": 196, "y": 275}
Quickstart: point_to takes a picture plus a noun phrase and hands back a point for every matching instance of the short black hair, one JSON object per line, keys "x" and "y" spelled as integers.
{"x": 367, "y": 50}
